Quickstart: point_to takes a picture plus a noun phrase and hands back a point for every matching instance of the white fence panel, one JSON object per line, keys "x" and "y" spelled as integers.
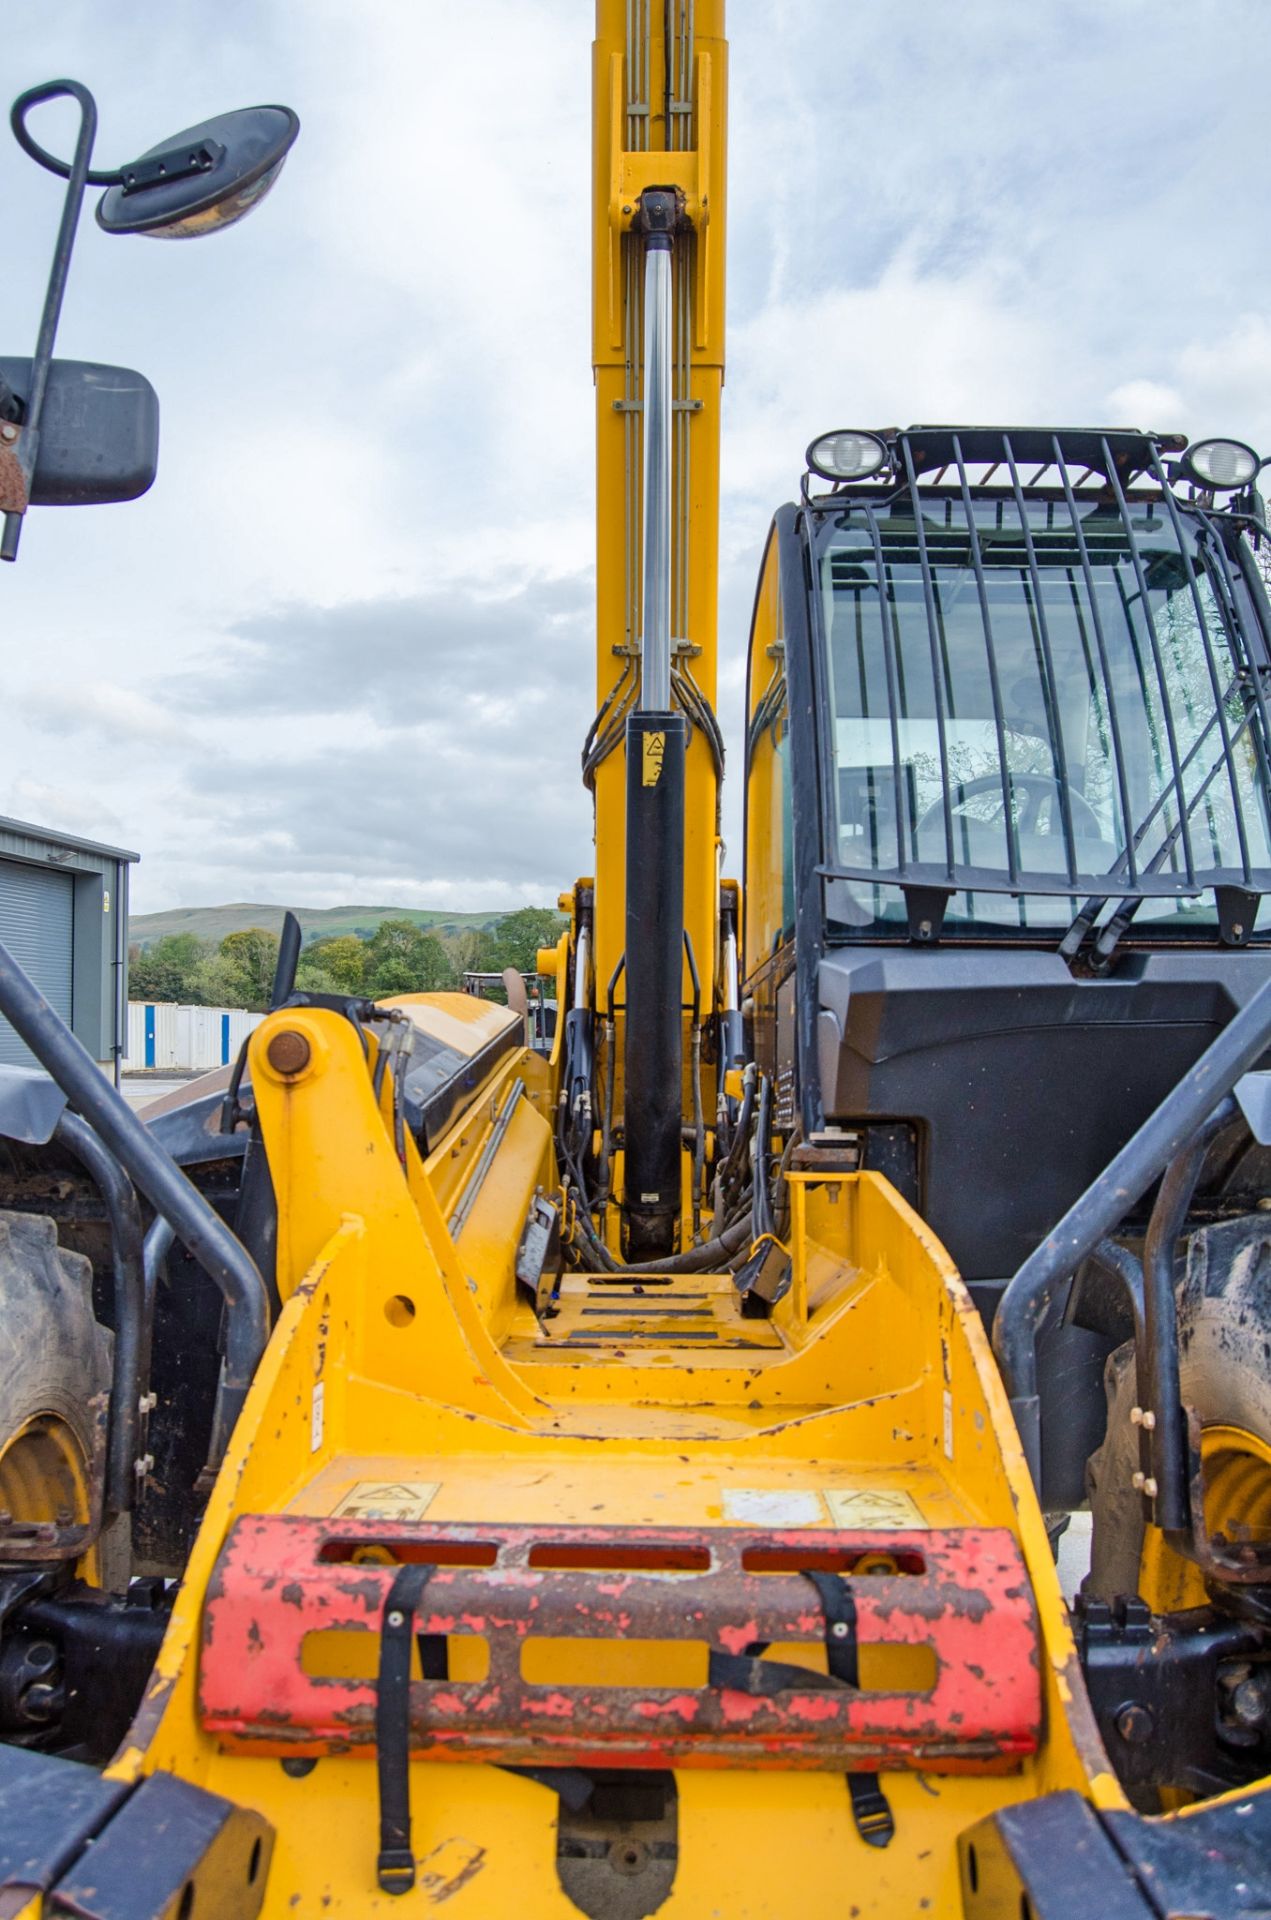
{"x": 184, "y": 1039}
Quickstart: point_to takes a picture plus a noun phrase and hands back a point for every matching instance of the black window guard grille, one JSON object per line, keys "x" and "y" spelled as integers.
{"x": 1098, "y": 484}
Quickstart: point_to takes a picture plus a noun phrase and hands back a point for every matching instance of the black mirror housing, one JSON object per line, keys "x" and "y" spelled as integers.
{"x": 99, "y": 432}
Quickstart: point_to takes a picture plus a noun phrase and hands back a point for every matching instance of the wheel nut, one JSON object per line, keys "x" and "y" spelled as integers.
{"x": 1135, "y": 1725}
{"x": 288, "y": 1051}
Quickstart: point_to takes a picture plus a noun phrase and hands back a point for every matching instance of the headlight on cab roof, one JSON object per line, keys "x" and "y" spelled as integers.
{"x": 847, "y": 454}
{"x": 1220, "y": 464}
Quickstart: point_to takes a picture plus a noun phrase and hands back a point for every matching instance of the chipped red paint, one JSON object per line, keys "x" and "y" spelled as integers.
{"x": 965, "y": 1595}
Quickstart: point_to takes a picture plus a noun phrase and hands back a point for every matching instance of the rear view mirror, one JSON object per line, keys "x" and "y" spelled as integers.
{"x": 99, "y": 432}
{"x": 73, "y": 434}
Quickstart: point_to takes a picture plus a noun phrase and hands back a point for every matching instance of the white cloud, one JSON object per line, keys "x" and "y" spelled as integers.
{"x": 376, "y": 392}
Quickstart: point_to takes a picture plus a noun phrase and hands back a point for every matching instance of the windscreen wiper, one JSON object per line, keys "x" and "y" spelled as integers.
{"x": 1113, "y": 932}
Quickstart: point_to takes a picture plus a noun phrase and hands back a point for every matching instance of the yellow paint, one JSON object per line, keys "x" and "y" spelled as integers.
{"x": 842, "y": 1406}
{"x": 628, "y": 154}
{"x": 1237, "y": 1478}
{"x": 769, "y": 901}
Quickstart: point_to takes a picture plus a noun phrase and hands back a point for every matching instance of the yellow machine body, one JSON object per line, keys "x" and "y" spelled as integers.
{"x": 405, "y": 1378}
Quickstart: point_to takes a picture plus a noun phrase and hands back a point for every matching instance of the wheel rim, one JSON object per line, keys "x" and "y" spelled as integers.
{"x": 44, "y": 1475}
{"x": 1236, "y": 1466}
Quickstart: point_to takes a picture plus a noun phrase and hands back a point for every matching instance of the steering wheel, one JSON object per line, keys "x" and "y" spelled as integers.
{"x": 1034, "y": 787}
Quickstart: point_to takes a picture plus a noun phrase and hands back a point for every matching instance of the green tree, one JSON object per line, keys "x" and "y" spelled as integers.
{"x": 341, "y": 959}
{"x": 518, "y": 937}
{"x": 169, "y": 969}
{"x": 241, "y": 971}
{"x": 475, "y": 951}
{"x": 311, "y": 978}
{"x": 402, "y": 958}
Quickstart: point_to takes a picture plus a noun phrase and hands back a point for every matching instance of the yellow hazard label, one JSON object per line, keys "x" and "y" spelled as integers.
{"x": 651, "y": 764}
{"x": 873, "y": 1508}
{"x": 387, "y": 1500}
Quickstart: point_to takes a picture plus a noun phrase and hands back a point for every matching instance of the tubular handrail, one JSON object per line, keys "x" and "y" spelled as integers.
{"x": 1104, "y": 1204}
{"x": 130, "y": 1372}
{"x": 223, "y": 1258}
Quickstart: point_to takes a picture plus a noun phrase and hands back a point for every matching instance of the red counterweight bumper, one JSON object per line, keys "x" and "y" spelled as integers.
{"x": 964, "y": 1594}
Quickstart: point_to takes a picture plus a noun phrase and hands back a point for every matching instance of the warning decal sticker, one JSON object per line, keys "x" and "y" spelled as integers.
{"x": 874, "y": 1509}
{"x": 387, "y": 1500}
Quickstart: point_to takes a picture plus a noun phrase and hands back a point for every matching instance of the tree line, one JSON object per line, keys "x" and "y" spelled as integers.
{"x": 396, "y": 957}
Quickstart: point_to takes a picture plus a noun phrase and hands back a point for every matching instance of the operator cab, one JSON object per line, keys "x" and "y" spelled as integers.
{"x": 1008, "y": 838}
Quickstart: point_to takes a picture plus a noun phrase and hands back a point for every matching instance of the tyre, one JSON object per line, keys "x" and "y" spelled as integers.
{"x": 1224, "y": 1335}
{"x": 55, "y": 1362}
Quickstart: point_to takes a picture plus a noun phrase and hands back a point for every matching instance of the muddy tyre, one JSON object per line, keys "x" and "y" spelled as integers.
{"x": 1224, "y": 1331}
{"x": 55, "y": 1362}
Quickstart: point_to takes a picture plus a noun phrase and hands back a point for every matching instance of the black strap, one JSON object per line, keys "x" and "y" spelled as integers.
{"x": 875, "y": 1821}
{"x": 748, "y": 1673}
{"x": 838, "y": 1604}
{"x": 873, "y": 1816}
{"x": 396, "y": 1864}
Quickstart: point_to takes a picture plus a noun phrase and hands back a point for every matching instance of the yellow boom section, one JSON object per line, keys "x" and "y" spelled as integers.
{"x": 660, "y": 81}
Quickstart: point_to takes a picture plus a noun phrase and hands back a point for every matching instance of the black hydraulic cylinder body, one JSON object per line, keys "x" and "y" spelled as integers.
{"x": 653, "y": 1054}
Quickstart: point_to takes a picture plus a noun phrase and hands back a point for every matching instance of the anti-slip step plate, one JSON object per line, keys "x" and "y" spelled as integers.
{"x": 610, "y": 1621}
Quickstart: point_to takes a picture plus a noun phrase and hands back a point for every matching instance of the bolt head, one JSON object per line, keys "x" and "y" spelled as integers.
{"x": 8, "y": 431}
{"x": 288, "y": 1052}
{"x": 1248, "y": 1704}
{"x": 1135, "y": 1725}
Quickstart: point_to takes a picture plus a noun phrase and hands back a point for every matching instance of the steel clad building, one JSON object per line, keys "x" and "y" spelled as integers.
{"x": 64, "y": 918}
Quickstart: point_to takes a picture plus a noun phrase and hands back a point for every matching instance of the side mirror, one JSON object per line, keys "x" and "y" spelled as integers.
{"x": 71, "y": 433}
{"x": 99, "y": 432}
{"x": 205, "y": 179}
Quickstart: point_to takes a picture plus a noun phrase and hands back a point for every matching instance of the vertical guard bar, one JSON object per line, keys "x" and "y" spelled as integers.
{"x": 1261, "y": 736}
{"x": 999, "y": 724}
{"x": 1158, "y": 661}
{"x": 936, "y": 639}
{"x": 1234, "y": 641}
{"x": 1054, "y": 716}
{"x": 893, "y": 690}
{"x": 1101, "y": 644}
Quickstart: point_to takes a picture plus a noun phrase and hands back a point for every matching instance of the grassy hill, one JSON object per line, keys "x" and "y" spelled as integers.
{"x": 213, "y": 923}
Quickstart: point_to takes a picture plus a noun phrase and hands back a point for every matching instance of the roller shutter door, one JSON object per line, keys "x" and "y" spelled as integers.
{"x": 36, "y": 923}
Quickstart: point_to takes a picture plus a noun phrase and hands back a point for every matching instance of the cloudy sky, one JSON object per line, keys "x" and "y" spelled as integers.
{"x": 342, "y": 651}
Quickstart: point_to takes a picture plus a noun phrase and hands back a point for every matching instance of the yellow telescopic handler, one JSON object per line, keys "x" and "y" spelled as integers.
{"x": 443, "y": 1468}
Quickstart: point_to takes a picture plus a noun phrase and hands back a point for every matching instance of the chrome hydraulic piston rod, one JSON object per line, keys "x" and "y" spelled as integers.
{"x": 657, "y": 741}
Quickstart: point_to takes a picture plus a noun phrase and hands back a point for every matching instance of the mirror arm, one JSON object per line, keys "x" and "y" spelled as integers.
{"x": 22, "y": 455}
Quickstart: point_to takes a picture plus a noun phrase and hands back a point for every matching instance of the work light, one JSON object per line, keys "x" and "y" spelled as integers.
{"x": 847, "y": 454}
{"x": 1220, "y": 464}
